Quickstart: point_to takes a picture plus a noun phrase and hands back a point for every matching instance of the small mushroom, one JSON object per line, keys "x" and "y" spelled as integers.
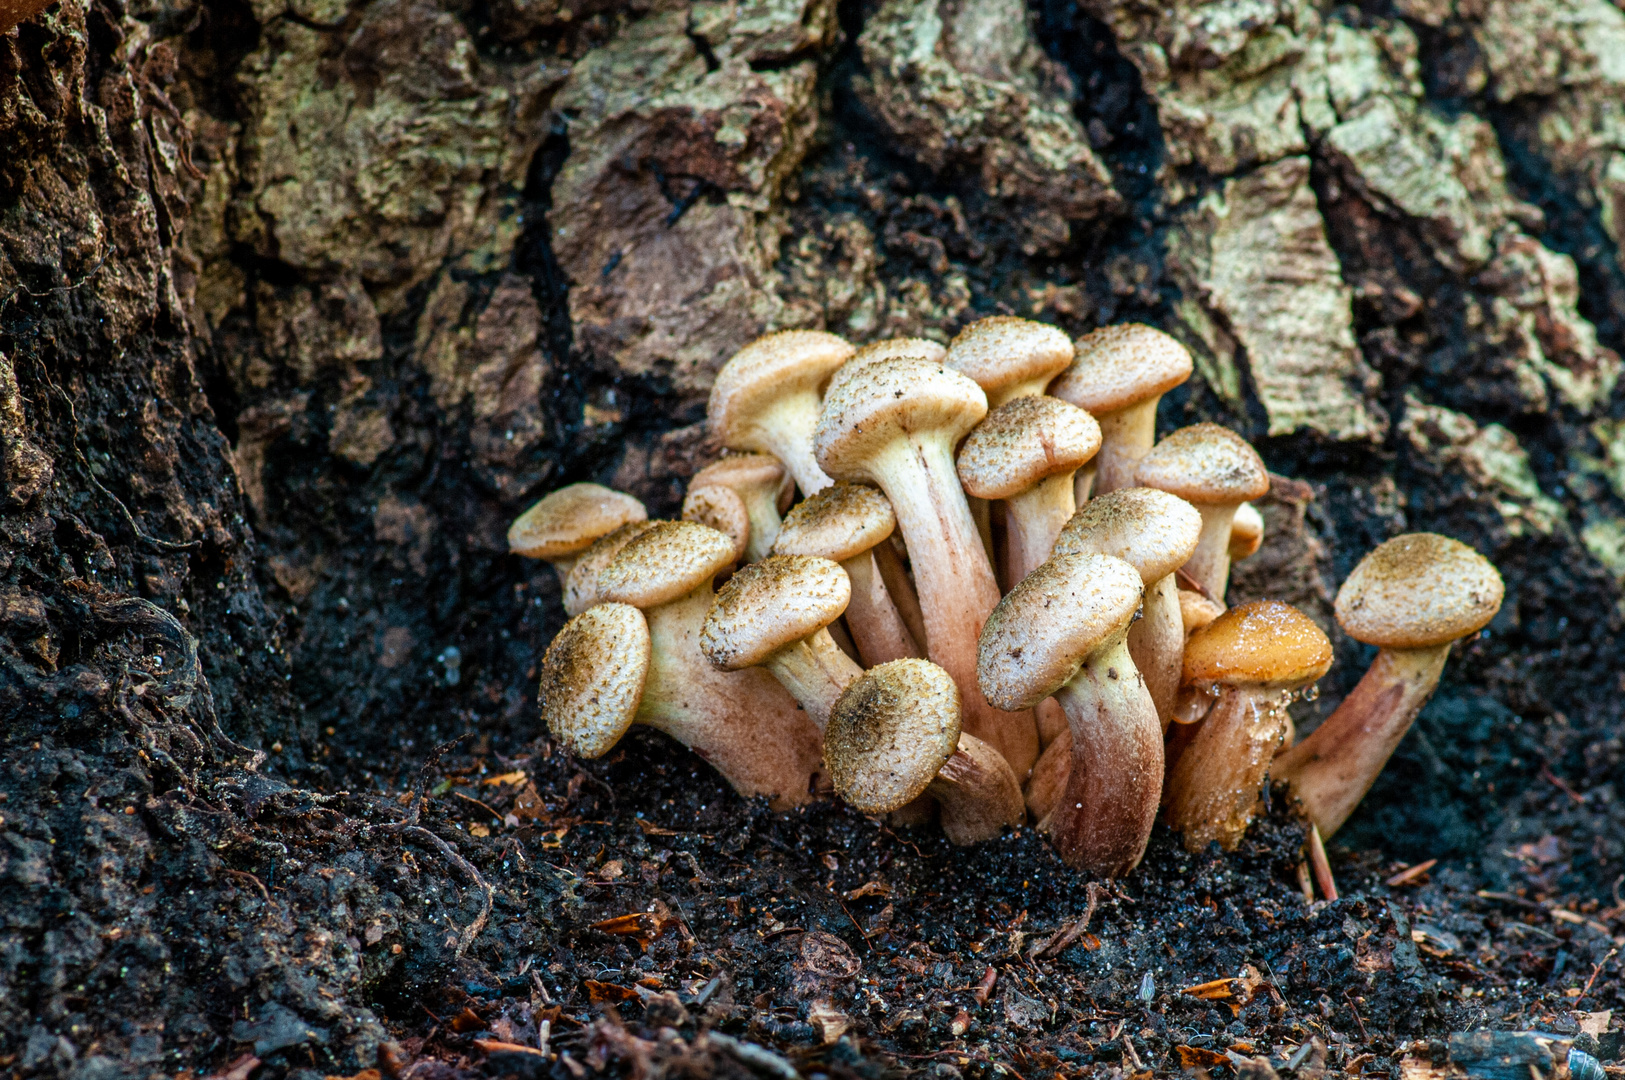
{"x": 1009, "y": 357}
{"x": 766, "y": 398}
{"x": 763, "y": 487}
{"x": 581, "y": 586}
{"x": 847, "y": 523}
{"x": 567, "y": 522}
{"x": 1246, "y": 532}
{"x": 1196, "y": 610}
{"x": 742, "y": 722}
{"x": 895, "y": 735}
{"x": 1120, "y": 374}
{"x": 1250, "y": 659}
{"x": 592, "y": 678}
{"x": 895, "y": 423}
{"x": 1063, "y": 630}
{"x": 1215, "y": 470}
{"x": 1412, "y": 597}
{"x": 721, "y": 509}
{"x": 1025, "y": 453}
{"x": 774, "y": 614}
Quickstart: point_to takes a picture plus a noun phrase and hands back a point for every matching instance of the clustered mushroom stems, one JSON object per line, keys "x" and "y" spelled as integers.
{"x": 1116, "y": 551}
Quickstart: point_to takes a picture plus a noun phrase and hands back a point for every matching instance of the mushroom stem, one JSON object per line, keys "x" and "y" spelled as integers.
{"x": 1103, "y": 819}
{"x": 1214, "y": 787}
{"x": 1044, "y": 786}
{"x": 900, "y": 587}
{"x": 1125, "y": 436}
{"x": 816, "y": 672}
{"x": 786, "y": 428}
{"x": 877, "y": 625}
{"x": 742, "y": 723}
{"x": 978, "y": 793}
{"x": 1209, "y": 565}
{"x": 1035, "y": 518}
{"x": 1331, "y": 770}
{"x": 1157, "y": 643}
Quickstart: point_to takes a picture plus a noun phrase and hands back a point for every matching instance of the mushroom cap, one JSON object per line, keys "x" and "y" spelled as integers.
{"x": 581, "y": 585}
{"x": 888, "y": 400}
{"x": 746, "y": 474}
{"x": 1265, "y": 643}
{"x": 1022, "y": 442}
{"x": 665, "y": 563}
{"x": 841, "y": 522}
{"x": 886, "y": 349}
{"x": 592, "y": 677}
{"x": 1045, "y": 628}
{"x": 722, "y": 509}
{"x": 767, "y": 369}
{"x": 890, "y": 733}
{"x": 570, "y": 519}
{"x": 771, "y": 604}
{"x": 1151, "y": 530}
{"x": 1196, "y": 610}
{"x": 1001, "y": 351}
{"x": 1419, "y": 590}
{"x": 1246, "y": 532}
{"x": 1205, "y": 463}
{"x": 1123, "y": 365}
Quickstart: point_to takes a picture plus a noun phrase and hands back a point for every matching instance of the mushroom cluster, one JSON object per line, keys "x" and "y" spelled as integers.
{"x": 999, "y": 597}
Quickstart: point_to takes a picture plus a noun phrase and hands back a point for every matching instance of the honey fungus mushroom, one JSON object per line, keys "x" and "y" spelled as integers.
{"x": 763, "y": 488}
{"x": 1009, "y": 357}
{"x": 1412, "y": 597}
{"x": 766, "y": 399}
{"x": 581, "y": 585}
{"x": 566, "y": 522}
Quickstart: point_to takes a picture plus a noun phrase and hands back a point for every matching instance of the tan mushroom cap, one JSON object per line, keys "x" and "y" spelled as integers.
{"x": 1123, "y": 365}
{"x": 1002, "y": 351}
{"x": 767, "y": 369}
{"x": 887, "y": 349}
{"x": 748, "y": 471}
{"x": 570, "y": 519}
{"x": 771, "y": 604}
{"x": 1246, "y": 532}
{"x": 1151, "y": 530}
{"x": 722, "y": 509}
{"x": 1265, "y": 643}
{"x": 890, "y": 399}
{"x": 668, "y": 561}
{"x": 1023, "y": 441}
{"x": 1417, "y": 591}
{"x": 592, "y": 678}
{"x": 841, "y": 522}
{"x": 890, "y": 734}
{"x": 1042, "y": 631}
{"x": 581, "y": 586}
{"x": 1205, "y": 463}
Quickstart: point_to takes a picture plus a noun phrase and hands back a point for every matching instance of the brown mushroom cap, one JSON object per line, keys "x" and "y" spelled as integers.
{"x": 1151, "y": 530}
{"x": 765, "y": 370}
{"x": 1123, "y": 365}
{"x": 841, "y": 522}
{"x": 592, "y": 677}
{"x": 570, "y": 519}
{"x": 888, "y": 400}
{"x": 1265, "y": 643}
{"x": 1205, "y": 463}
{"x": 750, "y": 471}
{"x": 1042, "y": 631}
{"x": 1023, "y": 441}
{"x": 890, "y": 734}
{"x": 1417, "y": 591}
{"x": 668, "y": 561}
{"x": 722, "y": 509}
{"x": 1002, "y": 351}
{"x": 771, "y": 604}
{"x": 581, "y": 586}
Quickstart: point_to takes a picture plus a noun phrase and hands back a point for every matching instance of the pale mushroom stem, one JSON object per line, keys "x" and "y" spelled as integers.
{"x": 901, "y": 590}
{"x": 978, "y": 793}
{"x": 816, "y": 672}
{"x": 1157, "y": 643}
{"x": 1125, "y": 436}
{"x": 955, "y": 581}
{"x": 764, "y": 529}
{"x": 1036, "y": 517}
{"x": 1214, "y": 787}
{"x": 1103, "y": 818}
{"x": 743, "y": 723}
{"x": 788, "y": 426}
{"x": 1210, "y": 563}
{"x": 1331, "y": 770}
{"x": 1054, "y": 765}
{"x": 877, "y": 626}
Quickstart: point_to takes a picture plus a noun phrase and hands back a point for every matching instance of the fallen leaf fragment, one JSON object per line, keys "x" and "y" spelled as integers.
{"x": 1195, "y": 1057}
{"x": 497, "y": 1046}
{"x": 600, "y": 993}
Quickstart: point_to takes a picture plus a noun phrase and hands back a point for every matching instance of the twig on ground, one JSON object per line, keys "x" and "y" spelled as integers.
{"x": 466, "y": 938}
{"x": 1322, "y": 867}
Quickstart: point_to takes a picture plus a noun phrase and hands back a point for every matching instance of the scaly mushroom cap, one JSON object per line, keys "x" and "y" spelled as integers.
{"x": 722, "y": 509}
{"x": 1151, "y": 530}
{"x": 890, "y": 733}
{"x": 747, "y": 472}
{"x": 1265, "y": 644}
{"x": 764, "y": 370}
{"x": 1023, "y": 441}
{"x": 841, "y": 522}
{"x": 1001, "y": 352}
{"x": 592, "y": 678}
{"x": 889, "y": 400}
{"x": 889, "y": 349}
{"x": 581, "y": 586}
{"x": 570, "y": 519}
{"x": 1196, "y": 610}
{"x": 771, "y": 604}
{"x": 1042, "y": 631}
{"x": 665, "y": 563}
{"x": 1419, "y": 590}
{"x": 1205, "y": 463}
{"x": 1119, "y": 366}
